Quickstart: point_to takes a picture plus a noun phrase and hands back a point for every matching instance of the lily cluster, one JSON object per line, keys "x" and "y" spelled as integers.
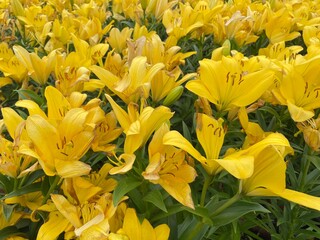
{"x": 148, "y": 119}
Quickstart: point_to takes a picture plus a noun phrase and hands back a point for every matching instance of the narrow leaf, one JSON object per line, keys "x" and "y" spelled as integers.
{"x": 124, "y": 186}
{"x": 155, "y": 197}
{"x": 24, "y": 190}
{"x": 236, "y": 211}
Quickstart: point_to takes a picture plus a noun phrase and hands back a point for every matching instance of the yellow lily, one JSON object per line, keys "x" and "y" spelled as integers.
{"x": 118, "y": 40}
{"x": 138, "y": 127}
{"x": 298, "y": 94}
{"x": 12, "y": 163}
{"x": 10, "y": 65}
{"x": 84, "y": 209}
{"x": 168, "y": 168}
{"x": 134, "y": 230}
{"x": 70, "y": 74}
{"x": 231, "y": 83}
{"x": 39, "y": 69}
{"x": 269, "y": 176}
{"x": 156, "y": 8}
{"x": 136, "y": 82}
{"x": 106, "y": 132}
{"x": 278, "y": 26}
{"x": 90, "y": 29}
{"x": 70, "y": 140}
{"x": 181, "y": 21}
{"x": 210, "y": 134}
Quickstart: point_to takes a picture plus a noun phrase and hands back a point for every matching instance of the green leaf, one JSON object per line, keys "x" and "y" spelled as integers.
{"x": 201, "y": 212}
{"x": 124, "y": 186}
{"x": 7, "y": 185}
{"x": 135, "y": 197}
{"x": 8, "y": 210}
{"x": 186, "y": 132}
{"x": 34, "y": 176}
{"x": 24, "y": 190}
{"x": 155, "y": 197}
{"x": 315, "y": 160}
{"x": 9, "y": 232}
{"x": 31, "y": 95}
{"x": 193, "y": 230}
{"x": 236, "y": 211}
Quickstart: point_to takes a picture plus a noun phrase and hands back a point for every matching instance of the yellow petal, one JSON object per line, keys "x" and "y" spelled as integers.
{"x": 162, "y": 232}
{"x": 32, "y": 107}
{"x": 39, "y": 131}
{"x": 121, "y": 115}
{"x": 68, "y": 210}
{"x": 198, "y": 88}
{"x": 84, "y": 189}
{"x": 269, "y": 172}
{"x": 299, "y": 114}
{"x": 11, "y": 120}
{"x": 24, "y": 56}
{"x": 156, "y": 119}
{"x": 131, "y": 225}
{"x": 178, "y": 189}
{"x": 210, "y": 135}
{"x": 57, "y": 104}
{"x": 126, "y": 166}
{"x": 73, "y": 123}
{"x": 108, "y": 78}
{"x": 253, "y": 86}
{"x": 174, "y": 138}
{"x": 132, "y": 143}
{"x": 240, "y": 167}
{"x": 301, "y": 198}
{"x": 51, "y": 229}
{"x": 147, "y": 232}
{"x": 69, "y": 169}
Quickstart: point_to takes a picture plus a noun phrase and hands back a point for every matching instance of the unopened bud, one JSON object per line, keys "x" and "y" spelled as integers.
{"x": 173, "y": 95}
{"x": 226, "y": 47}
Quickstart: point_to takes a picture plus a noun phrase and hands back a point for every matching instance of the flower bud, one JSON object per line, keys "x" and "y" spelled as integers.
{"x": 173, "y": 95}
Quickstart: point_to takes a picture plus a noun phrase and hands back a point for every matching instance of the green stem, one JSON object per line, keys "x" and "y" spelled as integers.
{"x": 207, "y": 181}
{"x": 51, "y": 189}
{"x": 227, "y": 204}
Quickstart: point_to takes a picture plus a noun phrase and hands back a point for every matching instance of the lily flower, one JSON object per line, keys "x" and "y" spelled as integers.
{"x": 269, "y": 175}
{"x": 134, "y": 230}
{"x": 135, "y": 84}
{"x": 210, "y": 134}
{"x": 279, "y": 26}
{"x": 138, "y": 127}
{"x": 231, "y": 83}
{"x": 10, "y": 65}
{"x": 301, "y": 96}
{"x": 12, "y": 163}
{"x": 70, "y": 140}
{"x": 168, "y": 168}
{"x": 39, "y": 69}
